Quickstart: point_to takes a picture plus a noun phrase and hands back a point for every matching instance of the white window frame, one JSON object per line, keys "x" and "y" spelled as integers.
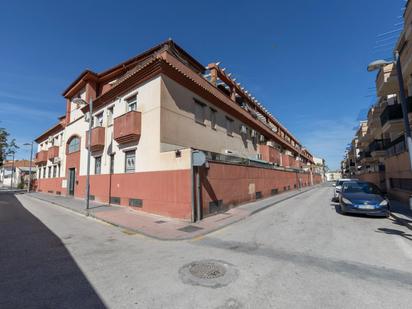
{"x": 128, "y": 169}
{"x": 99, "y": 118}
{"x": 131, "y": 103}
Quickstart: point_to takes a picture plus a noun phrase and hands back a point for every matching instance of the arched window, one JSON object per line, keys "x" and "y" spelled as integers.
{"x": 74, "y": 145}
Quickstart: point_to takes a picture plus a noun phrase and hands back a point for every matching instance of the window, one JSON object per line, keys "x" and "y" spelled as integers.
{"x": 99, "y": 120}
{"x": 213, "y": 113}
{"x": 44, "y": 172}
{"x": 97, "y": 165}
{"x": 74, "y": 145}
{"x": 54, "y": 171}
{"x": 131, "y": 103}
{"x": 199, "y": 112}
{"x": 130, "y": 161}
{"x": 110, "y": 116}
{"x": 58, "y": 170}
{"x": 112, "y": 163}
{"x": 49, "y": 172}
{"x": 229, "y": 126}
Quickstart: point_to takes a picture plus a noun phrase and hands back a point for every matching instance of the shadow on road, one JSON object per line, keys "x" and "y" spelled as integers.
{"x": 395, "y": 232}
{"x": 36, "y": 269}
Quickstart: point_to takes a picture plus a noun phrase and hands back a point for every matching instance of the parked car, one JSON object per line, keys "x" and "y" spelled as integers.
{"x": 363, "y": 198}
{"x": 338, "y": 187}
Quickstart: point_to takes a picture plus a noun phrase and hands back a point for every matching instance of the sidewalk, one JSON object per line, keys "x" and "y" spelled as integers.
{"x": 163, "y": 228}
{"x": 401, "y": 213}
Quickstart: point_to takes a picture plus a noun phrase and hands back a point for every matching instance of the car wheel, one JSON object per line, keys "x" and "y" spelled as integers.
{"x": 341, "y": 210}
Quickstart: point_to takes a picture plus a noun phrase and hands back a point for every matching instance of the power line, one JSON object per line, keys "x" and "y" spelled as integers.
{"x": 389, "y": 32}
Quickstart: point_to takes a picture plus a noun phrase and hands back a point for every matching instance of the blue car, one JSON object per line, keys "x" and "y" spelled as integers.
{"x": 363, "y": 198}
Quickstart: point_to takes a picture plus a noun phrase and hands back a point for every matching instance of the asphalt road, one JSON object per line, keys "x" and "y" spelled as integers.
{"x": 297, "y": 254}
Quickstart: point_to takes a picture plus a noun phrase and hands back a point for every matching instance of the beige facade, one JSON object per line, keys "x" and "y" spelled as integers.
{"x": 383, "y": 153}
{"x": 149, "y": 115}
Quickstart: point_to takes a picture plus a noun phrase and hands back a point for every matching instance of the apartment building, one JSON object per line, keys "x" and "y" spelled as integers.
{"x": 16, "y": 174}
{"x": 383, "y": 152}
{"x": 150, "y": 113}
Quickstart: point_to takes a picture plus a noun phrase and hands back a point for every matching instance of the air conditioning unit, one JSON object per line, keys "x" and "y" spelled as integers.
{"x": 228, "y": 151}
{"x": 56, "y": 160}
{"x": 243, "y": 129}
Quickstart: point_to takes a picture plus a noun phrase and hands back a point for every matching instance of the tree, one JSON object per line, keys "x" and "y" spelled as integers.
{"x": 3, "y": 145}
{"x": 11, "y": 151}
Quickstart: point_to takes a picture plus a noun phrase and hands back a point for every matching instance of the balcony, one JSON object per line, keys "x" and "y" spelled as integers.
{"x": 53, "y": 152}
{"x": 127, "y": 128}
{"x": 269, "y": 154}
{"x": 391, "y": 117}
{"x": 378, "y": 148}
{"x": 386, "y": 81}
{"x": 396, "y": 147}
{"x": 41, "y": 157}
{"x": 97, "y": 140}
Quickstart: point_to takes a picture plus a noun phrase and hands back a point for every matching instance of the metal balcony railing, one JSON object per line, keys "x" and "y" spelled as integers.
{"x": 394, "y": 112}
{"x": 378, "y": 145}
{"x": 396, "y": 147}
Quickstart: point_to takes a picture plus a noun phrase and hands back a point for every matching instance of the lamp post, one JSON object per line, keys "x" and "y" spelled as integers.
{"x": 89, "y": 137}
{"x": 300, "y": 167}
{"x": 31, "y": 159}
{"x": 380, "y": 64}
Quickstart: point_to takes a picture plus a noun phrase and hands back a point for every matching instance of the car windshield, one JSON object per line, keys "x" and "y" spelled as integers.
{"x": 360, "y": 187}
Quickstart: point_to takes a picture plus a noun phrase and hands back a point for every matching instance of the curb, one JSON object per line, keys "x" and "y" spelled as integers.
{"x": 189, "y": 237}
{"x": 282, "y": 200}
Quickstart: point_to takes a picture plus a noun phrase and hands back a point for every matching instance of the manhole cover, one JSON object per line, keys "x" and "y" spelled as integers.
{"x": 208, "y": 273}
{"x": 207, "y": 270}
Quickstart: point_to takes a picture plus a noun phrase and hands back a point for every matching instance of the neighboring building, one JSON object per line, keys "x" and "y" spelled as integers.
{"x": 149, "y": 114}
{"x": 333, "y": 175}
{"x": 384, "y": 156}
{"x": 320, "y": 167}
{"x": 16, "y": 174}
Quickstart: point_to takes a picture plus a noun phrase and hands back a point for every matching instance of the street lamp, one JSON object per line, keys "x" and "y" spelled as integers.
{"x": 89, "y": 135}
{"x": 31, "y": 159}
{"x": 300, "y": 166}
{"x": 380, "y": 64}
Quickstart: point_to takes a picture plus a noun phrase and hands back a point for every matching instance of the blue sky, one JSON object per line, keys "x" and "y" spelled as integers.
{"x": 304, "y": 60}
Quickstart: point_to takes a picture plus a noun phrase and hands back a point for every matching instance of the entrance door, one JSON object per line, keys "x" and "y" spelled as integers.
{"x": 72, "y": 180}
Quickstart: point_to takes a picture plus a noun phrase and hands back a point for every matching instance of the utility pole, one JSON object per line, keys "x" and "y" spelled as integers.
{"x": 30, "y": 164}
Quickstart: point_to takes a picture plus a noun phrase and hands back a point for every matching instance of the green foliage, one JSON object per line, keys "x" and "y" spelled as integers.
{"x": 3, "y": 144}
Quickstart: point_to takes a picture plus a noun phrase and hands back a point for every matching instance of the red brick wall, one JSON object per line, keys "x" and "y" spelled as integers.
{"x": 51, "y": 185}
{"x": 236, "y": 184}
{"x": 270, "y": 154}
{"x": 166, "y": 193}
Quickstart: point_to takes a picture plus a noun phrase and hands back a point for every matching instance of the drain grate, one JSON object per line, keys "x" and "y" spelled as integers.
{"x": 207, "y": 270}
{"x": 160, "y": 221}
